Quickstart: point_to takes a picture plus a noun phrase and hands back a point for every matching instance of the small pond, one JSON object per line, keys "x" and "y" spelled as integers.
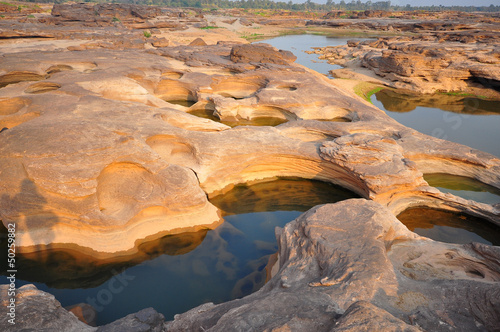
{"x": 464, "y": 187}
{"x": 450, "y": 227}
{"x": 176, "y": 273}
{"x": 470, "y": 121}
{"x": 179, "y": 272}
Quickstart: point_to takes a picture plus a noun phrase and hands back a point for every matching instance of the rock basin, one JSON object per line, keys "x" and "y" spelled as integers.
{"x": 98, "y": 161}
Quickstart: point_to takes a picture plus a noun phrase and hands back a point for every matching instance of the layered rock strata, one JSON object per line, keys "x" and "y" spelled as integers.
{"x": 129, "y": 162}
{"x": 348, "y": 266}
{"x": 445, "y": 61}
{"x": 103, "y": 149}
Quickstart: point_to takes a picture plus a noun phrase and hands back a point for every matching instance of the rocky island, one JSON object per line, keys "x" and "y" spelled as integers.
{"x": 119, "y": 123}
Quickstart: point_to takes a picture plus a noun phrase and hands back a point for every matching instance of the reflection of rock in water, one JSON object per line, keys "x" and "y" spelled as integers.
{"x": 72, "y": 269}
{"x": 396, "y": 101}
{"x": 456, "y": 182}
{"x": 279, "y": 195}
{"x": 426, "y": 218}
{"x": 253, "y": 281}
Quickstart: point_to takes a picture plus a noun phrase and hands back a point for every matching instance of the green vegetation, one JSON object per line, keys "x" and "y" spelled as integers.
{"x": 7, "y": 4}
{"x": 462, "y": 94}
{"x": 209, "y": 27}
{"x": 308, "y": 5}
{"x": 30, "y": 16}
{"x": 370, "y": 93}
{"x": 365, "y": 90}
{"x": 252, "y": 36}
{"x": 116, "y": 19}
{"x": 147, "y": 34}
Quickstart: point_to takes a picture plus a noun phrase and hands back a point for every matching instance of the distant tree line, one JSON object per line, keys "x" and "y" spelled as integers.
{"x": 308, "y": 5}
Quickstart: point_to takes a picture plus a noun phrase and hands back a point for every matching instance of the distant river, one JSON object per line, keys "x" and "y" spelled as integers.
{"x": 298, "y": 44}
{"x": 470, "y": 121}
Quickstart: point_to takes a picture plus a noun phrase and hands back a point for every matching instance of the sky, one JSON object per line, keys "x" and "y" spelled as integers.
{"x": 425, "y": 2}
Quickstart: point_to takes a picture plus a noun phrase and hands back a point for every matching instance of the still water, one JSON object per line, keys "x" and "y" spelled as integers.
{"x": 470, "y": 121}
{"x": 298, "y": 44}
{"x": 177, "y": 273}
{"x": 450, "y": 227}
{"x": 464, "y": 187}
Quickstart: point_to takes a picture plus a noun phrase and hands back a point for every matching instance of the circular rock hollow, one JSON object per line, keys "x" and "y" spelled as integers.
{"x": 58, "y": 68}
{"x": 42, "y": 87}
{"x": 286, "y": 87}
{"x": 175, "y": 92}
{"x": 238, "y": 87}
{"x": 451, "y": 227}
{"x": 259, "y": 116}
{"x": 175, "y": 75}
{"x": 12, "y": 105}
{"x": 173, "y": 150}
{"x": 464, "y": 187}
{"x": 19, "y": 76}
{"x": 121, "y": 186}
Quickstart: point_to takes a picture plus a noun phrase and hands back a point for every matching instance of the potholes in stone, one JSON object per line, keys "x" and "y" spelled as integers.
{"x": 192, "y": 268}
{"x": 445, "y": 226}
{"x": 286, "y": 87}
{"x": 57, "y": 69}
{"x": 175, "y": 92}
{"x": 464, "y": 187}
{"x": 182, "y": 102}
{"x": 238, "y": 87}
{"x": 175, "y": 75}
{"x": 19, "y": 76}
{"x": 257, "y": 121}
{"x": 42, "y": 87}
{"x": 173, "y": 150}
{"x": 10, "y": 106}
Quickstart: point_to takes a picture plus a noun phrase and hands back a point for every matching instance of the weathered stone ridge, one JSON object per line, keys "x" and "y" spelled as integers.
{"x": 113, "y": 139}
{"x": 439, "y": 61}
{"x": 347, "y": 266}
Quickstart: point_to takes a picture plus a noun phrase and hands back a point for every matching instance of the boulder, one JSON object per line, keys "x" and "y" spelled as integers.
{"x": 260, "y": 53}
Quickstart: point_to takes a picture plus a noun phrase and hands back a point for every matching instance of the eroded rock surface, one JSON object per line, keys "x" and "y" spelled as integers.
{"x": 437, "y": 61}
{"x": 345, "y": 267}
{"x": 111, "y": 143}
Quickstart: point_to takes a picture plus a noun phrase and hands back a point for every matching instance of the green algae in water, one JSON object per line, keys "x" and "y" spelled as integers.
{"x": 464, "y": 187}
{"x": 450, "y": 227}
{"x": 178, "y": 272}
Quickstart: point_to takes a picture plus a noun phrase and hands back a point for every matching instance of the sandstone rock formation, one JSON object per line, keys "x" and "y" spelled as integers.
{"x": 153, "y": 162}
{"x": 348, "y": 266}
{"x": 426, "y": 64}
{"x": 104, "y": 150}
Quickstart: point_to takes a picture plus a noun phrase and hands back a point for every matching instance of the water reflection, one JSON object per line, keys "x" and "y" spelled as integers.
{"x": 259, "y": 121}
{"x": 69, "y": 269}
{"x": 298, "y": 44}
{"x": 176, "y": 273}
{"x": 464, "y": 187}
{"x": 470, "y": 121}
{"x": 450, "y": 227}
{"x": 182, "y": 102}
{"x": 394, "y": 101}
{"x": 282, "y": 195}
